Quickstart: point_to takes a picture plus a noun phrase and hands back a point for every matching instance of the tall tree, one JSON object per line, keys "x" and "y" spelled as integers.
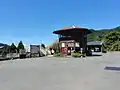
{"x": 20, "y": 46}
{"x": 55, "y": 46}
{"x": 13, "y": 48}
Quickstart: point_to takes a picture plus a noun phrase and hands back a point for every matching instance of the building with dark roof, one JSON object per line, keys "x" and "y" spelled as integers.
{"x": 96, "y": 46}
{"x": 72, "y": 38}
{"x": 3, "y": 47}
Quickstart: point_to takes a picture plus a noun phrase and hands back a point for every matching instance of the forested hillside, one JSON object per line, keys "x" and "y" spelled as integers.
{"x": 96, "y": 35}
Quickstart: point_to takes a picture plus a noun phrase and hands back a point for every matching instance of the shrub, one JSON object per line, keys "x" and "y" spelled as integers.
{"x": 77, "y": 55}
{"x": 34, "y": 55}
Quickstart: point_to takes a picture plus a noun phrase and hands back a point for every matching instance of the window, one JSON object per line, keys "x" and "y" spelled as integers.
{"x": 77, "y": 45}
{"x": 63, "y": 44}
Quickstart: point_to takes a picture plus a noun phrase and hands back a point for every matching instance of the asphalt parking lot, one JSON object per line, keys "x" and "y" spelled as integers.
{"x": 51, "y": 73}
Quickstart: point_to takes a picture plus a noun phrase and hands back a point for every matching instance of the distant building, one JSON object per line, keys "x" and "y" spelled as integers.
{"x": 35, "y": 50}
{"x": 3, "y": 47}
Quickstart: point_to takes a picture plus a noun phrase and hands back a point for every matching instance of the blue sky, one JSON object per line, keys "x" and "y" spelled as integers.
{"x": 33, "y": 21}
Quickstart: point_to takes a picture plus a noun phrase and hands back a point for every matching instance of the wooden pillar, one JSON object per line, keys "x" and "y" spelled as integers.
{"x": 74, "y": 45}
{"x": 85, "y": 39}
{"x": 60, "y": 47}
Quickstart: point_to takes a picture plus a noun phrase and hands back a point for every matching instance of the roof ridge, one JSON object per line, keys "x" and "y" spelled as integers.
{"x": 73, "y": 26}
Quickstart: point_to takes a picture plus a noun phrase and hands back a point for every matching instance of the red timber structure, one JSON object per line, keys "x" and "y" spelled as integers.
{"x": 72, "y": 39}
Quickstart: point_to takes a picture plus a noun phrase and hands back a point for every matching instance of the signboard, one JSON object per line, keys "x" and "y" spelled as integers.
{"x": 70, "y": 44}
{"x": 64, "y": 50}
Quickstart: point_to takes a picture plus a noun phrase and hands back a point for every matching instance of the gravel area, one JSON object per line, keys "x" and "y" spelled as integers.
{"x": 52, "y": 73}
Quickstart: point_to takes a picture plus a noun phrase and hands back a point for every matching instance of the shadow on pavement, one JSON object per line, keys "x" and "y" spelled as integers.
{"x": 95, "y": 55}
{"x": 112, "y": 68}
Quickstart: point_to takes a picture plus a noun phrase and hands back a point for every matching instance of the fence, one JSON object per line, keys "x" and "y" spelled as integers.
{"x": 9, "y": 56}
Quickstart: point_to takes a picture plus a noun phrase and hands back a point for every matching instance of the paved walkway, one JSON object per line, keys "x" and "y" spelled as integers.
{"x": 51, "y": 73}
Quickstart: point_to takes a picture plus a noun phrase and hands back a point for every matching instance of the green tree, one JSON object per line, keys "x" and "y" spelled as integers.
{"x": 115, "y": 46}
{"x": 55, "y": 46}
{"x": 117, "y": 28}
{"x": 13, "y": 48}
{"x": 99, "y": 38}
{"x": 112, "y": 41}
{"x": 20, "y": 45}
